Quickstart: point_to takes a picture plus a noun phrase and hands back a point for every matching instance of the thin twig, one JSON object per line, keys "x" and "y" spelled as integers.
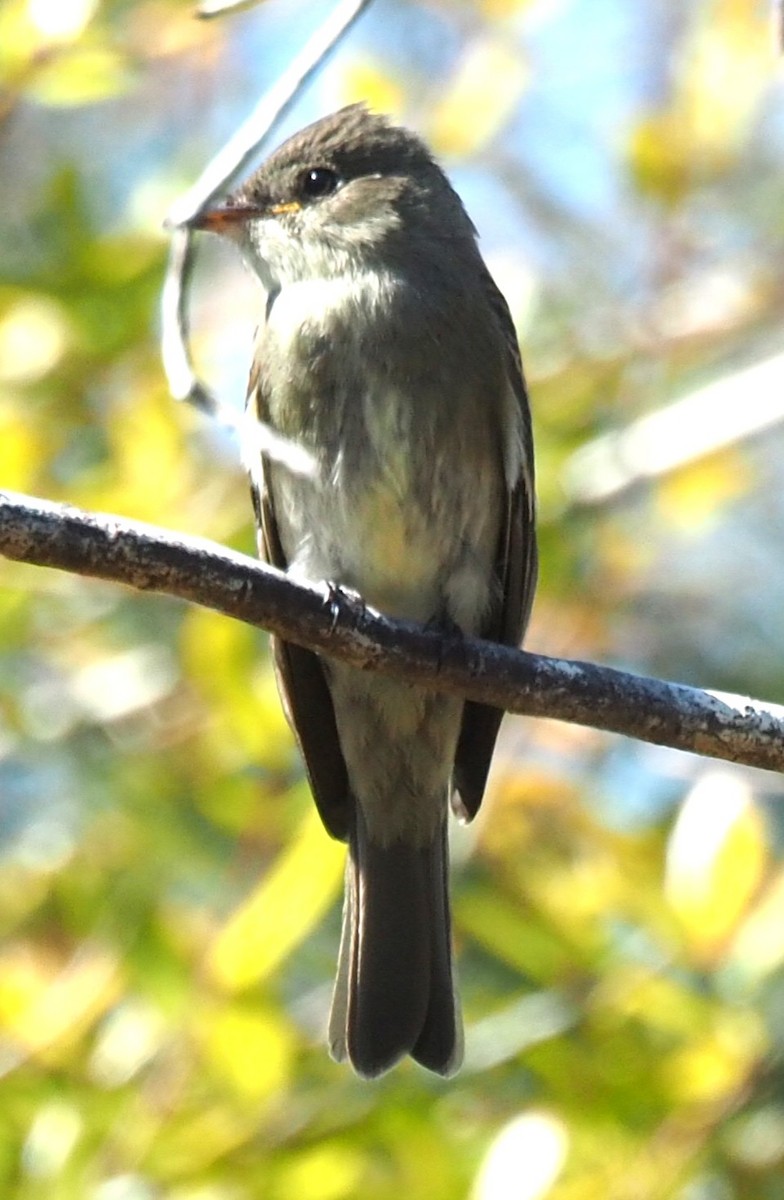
{"x": 184, "y": 384}
{"x": 732, "y": 728}
{"x": 224, "y": 8}
{"x": 232, "y": 160}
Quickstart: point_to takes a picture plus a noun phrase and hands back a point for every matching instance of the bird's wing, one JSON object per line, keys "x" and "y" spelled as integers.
{"x": 301, "y": 680}
{"x": 516, "y": 571}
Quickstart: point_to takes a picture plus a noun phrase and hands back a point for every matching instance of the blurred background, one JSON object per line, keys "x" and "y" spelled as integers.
{"x": 169, "y": 904}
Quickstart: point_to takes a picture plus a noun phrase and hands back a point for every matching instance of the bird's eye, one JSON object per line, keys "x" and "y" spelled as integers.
{"x": 318, "y": 182}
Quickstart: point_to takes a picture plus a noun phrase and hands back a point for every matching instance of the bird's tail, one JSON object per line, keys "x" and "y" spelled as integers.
{"x": 394, "y": 992}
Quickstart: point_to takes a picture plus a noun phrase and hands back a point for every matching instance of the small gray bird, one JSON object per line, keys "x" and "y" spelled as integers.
{"x": 388, "y": 356}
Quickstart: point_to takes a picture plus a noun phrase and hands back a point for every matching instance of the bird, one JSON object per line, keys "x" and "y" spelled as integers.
{"x": 387, "y": 357}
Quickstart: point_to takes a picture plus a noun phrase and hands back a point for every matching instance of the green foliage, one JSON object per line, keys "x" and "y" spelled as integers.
{"x": 168, "y": 900}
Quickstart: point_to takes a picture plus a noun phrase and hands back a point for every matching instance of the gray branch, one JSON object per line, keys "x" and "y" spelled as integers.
{"x": 326, "y": 620}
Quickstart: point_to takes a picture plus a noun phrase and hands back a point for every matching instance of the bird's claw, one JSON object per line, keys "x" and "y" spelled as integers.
{"x": 448, "y": 631}
{"x": 338, "y": 594}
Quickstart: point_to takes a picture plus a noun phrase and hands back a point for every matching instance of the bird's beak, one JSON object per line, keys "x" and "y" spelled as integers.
{"x": 226, "y": 217}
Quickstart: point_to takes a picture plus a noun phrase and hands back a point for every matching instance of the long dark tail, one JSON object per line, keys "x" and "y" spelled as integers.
{"x": 394, "y": 992}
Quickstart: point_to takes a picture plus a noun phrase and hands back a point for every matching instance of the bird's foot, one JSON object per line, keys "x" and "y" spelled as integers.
{"x": 446, "y": 626}
{"x": 449, "y": 634}
{"x": 340, "y": 596}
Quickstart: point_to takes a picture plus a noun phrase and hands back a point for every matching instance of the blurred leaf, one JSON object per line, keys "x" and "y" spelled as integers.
{"x": 524, "y": 1159}
{"x": 43, "y": 1008}
{"x": 694, "y": 495}
{"x": 290, "y": 900}
{"x": 34, "y": 336}
{"x": 79, "y": 75}
{"x": 507, "y": 932}
{"x": 195, "y": 1140}
{"x": 228, "y": 664}
{"x": 330, "y": 1171}
{"x": 249, "y": 1048}
{"x": 20, "y": 449}
{"x": 757, "y": 949}
{"x": 367, "y": 82}
{"x": 481, "y": 96}
{"x": 715, "y": 860}
{"x": 716, "y": 1064}
{"x": 723, "y": 85}
{"x": 660, "y": 157}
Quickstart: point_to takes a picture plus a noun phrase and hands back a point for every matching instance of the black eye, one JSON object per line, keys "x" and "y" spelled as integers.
{"x": 319, "y": 182}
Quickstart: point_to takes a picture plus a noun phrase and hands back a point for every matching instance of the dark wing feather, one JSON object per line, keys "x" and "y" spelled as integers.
{"x": 301, "y": 680}
{"x": 516, "y": 570}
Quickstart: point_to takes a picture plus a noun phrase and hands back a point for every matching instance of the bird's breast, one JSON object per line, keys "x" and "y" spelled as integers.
{"x": 407, "y": 492}
{"x": 369, "y": 520}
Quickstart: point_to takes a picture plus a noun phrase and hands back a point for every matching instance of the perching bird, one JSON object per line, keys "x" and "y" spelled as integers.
{"x": 388, "y": 356}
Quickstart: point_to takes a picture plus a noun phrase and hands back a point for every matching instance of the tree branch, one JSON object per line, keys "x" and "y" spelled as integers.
{"x": 323, "y": 619}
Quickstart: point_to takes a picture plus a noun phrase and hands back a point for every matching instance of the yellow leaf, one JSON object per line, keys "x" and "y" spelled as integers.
{"x": 480, "y": 97}
{"x": 720, "y": 81}
{"x": 79, "y": 75}
{"x": 711, "y": 1068}
{"x": 694, "y": 495}
{"x": 192, "y": 1142}
{"x": 507, "y": 932}
{"x": 282, "y": 911}
{"x": 325, "y": 1172}
{"x": 726, "y": 74}
{"x": 758, "y": 949}
{"x": 251, "y": 1049}
{"x": 34, "y": 336}
{"x": 716, "y": 857}
{"x": 147, "y": 444}
{"x": 43, "y": 1006}
{"x": 21, "y": 450}
{"x": 660, "y": 156}
{"x": 365, "y": 81}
